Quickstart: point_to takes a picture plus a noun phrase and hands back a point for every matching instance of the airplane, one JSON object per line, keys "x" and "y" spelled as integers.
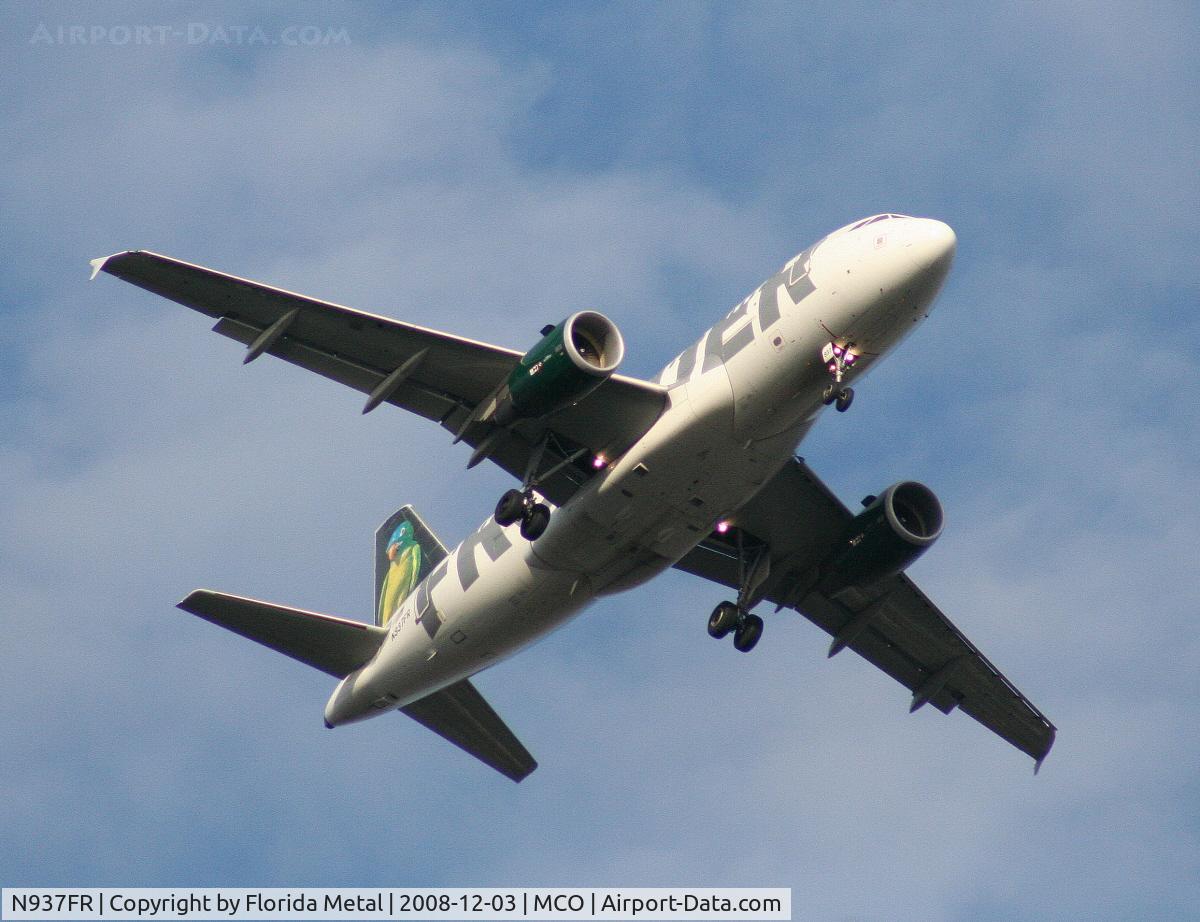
{"x": 621, "y": 479}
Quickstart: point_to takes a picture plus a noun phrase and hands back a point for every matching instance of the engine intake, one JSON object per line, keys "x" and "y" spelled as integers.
{"x": 570, "y": 361}
{"x": 885, "y": 538}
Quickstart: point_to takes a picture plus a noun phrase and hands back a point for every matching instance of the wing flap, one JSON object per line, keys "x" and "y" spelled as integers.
{"x": 460, "y": 715}
{"x": 336, "y": 646}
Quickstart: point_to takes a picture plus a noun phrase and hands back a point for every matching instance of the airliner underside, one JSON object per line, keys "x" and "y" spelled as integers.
{"x": 621, "y": 479}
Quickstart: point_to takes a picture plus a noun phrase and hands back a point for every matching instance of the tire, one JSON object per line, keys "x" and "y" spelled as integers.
{"x": 534, "y": 524}
{"x": 844, "y": 399}
{"x": 829, "y": 396}
{"x": 748, "y": 633}
{"x": 722, "y": 620}
{"x": 510, "y": 508}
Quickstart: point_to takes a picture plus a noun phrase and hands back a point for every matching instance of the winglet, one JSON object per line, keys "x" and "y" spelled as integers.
{"x": 1037, "y": 765}
{"x": 98, "y": 265}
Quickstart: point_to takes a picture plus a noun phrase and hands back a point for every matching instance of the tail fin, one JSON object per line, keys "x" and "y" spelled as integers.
{"x": 405, "y": 553}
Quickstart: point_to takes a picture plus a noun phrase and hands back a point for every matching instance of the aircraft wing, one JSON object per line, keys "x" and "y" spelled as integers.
{"x": 436, "y": 375}
{"x": 338, "y": 646}
{"x": 891, "y": 624}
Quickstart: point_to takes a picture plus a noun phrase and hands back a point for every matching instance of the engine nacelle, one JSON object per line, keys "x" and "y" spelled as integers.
{"x": 570, "y": 361}
{"x": 885, "y": 538}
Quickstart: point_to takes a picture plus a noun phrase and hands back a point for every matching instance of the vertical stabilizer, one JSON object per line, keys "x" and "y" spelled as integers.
{"x": 405, "y": 552}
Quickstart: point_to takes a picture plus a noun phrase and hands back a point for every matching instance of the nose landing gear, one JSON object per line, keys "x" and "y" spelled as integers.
{"x": 841, "y": 396}
{"x": 838, "y": 360}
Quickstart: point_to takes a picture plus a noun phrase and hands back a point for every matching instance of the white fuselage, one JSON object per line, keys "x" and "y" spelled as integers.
{"x": 740, "y": 401}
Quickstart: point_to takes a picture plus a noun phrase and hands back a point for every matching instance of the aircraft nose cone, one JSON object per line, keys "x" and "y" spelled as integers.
{"x": 930, "y": 248}
{"x": 939, "y": 243}
{"x": 945, "y": 238}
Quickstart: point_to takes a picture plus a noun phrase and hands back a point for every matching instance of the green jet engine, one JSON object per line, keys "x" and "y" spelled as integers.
{"x": 885, "y": 538}
{"x": 571, "y": 360}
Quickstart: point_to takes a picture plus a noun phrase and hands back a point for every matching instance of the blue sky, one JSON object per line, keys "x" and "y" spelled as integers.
{"x": 488, "y": 169}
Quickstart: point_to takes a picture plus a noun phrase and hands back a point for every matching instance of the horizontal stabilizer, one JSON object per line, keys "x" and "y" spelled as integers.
{"x": 461, "y": 715}
{"x": 338, "y": 647}
{"x": 333, "y": 645}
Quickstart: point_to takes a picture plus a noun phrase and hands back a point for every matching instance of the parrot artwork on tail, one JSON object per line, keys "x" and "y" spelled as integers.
{"x": 404, "y": 567}
{"x": 405, "y": 553}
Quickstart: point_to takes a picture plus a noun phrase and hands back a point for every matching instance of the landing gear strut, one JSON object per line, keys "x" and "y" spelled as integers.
{"x": 735, "y": 617}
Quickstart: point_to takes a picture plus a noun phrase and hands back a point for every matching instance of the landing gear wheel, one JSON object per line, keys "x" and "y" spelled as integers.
{"x": 830, "y": 395}
{"x": 844, "y": 399}
{"x": 510, "y": 508}
{"x": 748, "y": 633}
{"x": 535, "y": 522}
{"x": 723, "y": 620}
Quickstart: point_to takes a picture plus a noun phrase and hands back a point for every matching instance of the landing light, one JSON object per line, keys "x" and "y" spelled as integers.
{"x": 722, "y": 527}
{"x": 599, "y": 461}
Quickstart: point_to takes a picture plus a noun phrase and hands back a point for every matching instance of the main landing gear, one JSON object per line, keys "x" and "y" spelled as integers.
{"x": 746, "y": 628}
{"x": 523, "y": 505}
{"x": 754, "y": 566}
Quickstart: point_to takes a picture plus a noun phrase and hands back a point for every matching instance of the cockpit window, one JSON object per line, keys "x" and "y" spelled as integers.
{"x": 864, "y": 222}
{"x": 875, "y": 220}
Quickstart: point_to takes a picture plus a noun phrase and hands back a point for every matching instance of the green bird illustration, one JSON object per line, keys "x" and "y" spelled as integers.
{"x": 404, "y": 554}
